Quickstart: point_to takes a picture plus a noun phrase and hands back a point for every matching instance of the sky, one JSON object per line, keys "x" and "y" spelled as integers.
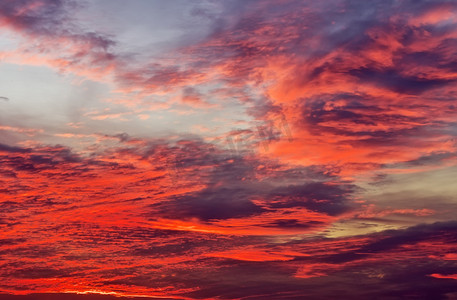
{"x": 243, "y": 149}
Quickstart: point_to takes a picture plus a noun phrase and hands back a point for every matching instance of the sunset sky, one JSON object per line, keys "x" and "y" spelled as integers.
{"x": 228, "y": 149}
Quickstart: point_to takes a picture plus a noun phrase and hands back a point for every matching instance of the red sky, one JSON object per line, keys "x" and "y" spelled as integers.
{"x": 228, "y": 149}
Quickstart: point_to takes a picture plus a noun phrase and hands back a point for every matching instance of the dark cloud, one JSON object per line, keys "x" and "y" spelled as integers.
{"x": 227, "y": 194}
{"x": 35, "y": 160}
{"x": 389, "y": 240}
{"x": 394, "y": 81}
{"x": 317, "y": 196}
{"x": 38, "y": 18}
{"x": 431, "y": 159}
{"x": 11, "y": 241}
{"x": 294, "y": 223}
{"x": 13, "y": 149}
{"x": 210, "y": 204}
{"x": 232, "y": 187}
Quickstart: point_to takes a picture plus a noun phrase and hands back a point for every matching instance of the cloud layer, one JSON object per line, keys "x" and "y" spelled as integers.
{"x": 293, "y": 150}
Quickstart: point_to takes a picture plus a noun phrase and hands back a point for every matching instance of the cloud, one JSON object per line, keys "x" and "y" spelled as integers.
{"x": 367, "y": 91}
{"x": 7, "y": 148}
{"x": 394, "y": 239}
{"x": 395, "y": 82}
{"x": 87, "y": 296}
{"x": 49, "y": 25}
